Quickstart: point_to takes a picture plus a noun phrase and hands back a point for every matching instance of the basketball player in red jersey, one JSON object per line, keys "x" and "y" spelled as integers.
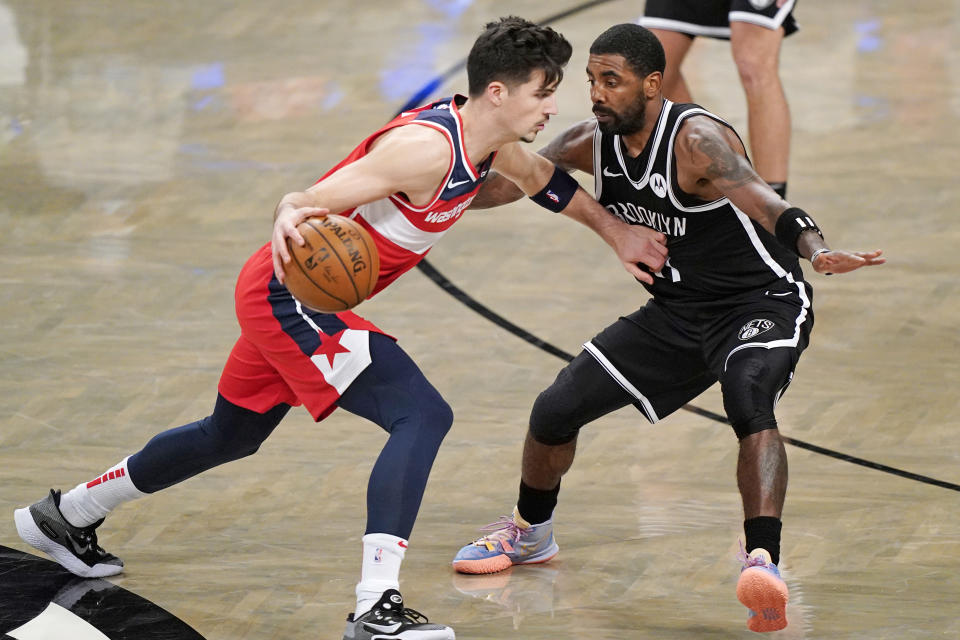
{"x": 406, "y": 183}
{"x": 730, "y": 305}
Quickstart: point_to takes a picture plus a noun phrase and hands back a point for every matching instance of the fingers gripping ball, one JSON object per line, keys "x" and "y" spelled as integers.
{"x": 336, "y": 269}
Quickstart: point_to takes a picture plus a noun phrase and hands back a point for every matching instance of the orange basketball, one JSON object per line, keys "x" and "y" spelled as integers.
{"x": 336, "y": 269}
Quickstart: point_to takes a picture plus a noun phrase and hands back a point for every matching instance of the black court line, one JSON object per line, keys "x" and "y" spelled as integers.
{"x": 463, "y": 297}
{"x": 444, "y": 283}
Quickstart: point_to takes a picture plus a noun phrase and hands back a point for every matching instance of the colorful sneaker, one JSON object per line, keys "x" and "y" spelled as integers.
{"x": 390, "y": 620}
{"x": 43, "y": 527}
{"x": 512, "y": 541}
{"x": 762, "y": 590}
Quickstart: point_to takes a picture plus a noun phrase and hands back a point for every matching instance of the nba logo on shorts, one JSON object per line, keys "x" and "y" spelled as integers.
{"x": 658, "y": 184}
{"x": 754, "y": 328}
{"x": 378, "y": 555}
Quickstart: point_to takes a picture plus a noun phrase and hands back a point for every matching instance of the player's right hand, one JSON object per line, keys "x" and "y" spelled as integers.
{"x": 638, "y": 244}
{"x": 285, "y": 226}
{"x": 837, "y": 261}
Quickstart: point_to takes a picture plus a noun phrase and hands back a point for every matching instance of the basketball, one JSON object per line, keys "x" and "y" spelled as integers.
{"x": 336, "y": 269}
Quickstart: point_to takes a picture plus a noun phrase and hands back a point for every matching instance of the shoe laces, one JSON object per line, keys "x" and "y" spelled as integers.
{"x": 88, "y": 537}
{"x": 747, "y": 560}
{"x": 504, "y": 528}
{"x": 405, "y": 613}
{"x": 413, "y": 616}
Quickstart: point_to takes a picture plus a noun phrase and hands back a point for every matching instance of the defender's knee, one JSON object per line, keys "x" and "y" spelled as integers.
{"x": 750, "y": 386}
{"x": 551, "y": 419}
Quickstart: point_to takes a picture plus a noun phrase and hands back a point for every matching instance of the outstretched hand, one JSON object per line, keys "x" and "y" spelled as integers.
{"x": 835, "y": 261}
{"x": 285, "y": 226}
{"x": 638, "y": 244}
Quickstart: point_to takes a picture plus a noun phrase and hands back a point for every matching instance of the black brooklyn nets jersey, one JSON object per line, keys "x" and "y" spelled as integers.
{"x": 715, "y": 250}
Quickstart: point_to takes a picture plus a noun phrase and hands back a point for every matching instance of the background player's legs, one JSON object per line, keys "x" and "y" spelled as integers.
{"x": 675, "y": 47}
{"x": 393, "y": 393}
{"x": 756, "y": 52}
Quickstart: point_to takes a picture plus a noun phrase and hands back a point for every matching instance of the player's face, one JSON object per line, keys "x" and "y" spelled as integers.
{"x": 617, "y": 93}
{"x": 530, "y": 106}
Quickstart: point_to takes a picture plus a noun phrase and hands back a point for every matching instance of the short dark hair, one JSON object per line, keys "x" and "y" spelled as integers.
{"x": 641, "y": 49}
{"x": 511, "y": 49}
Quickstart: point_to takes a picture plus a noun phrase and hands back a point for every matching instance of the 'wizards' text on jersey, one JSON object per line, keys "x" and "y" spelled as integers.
{"x": 715, "y": 250}
{"x": 404, "y": 233}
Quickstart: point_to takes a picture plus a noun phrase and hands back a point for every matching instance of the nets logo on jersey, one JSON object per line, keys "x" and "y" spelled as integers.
{"x": 659, "y": 185}
{"x": 754, "y": 328}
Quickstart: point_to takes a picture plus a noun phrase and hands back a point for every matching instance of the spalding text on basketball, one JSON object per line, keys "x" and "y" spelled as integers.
{"x": 349, "y": 238}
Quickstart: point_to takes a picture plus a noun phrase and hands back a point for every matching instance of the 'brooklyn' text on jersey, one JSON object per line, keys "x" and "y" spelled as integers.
{"x": 636, "y": 214}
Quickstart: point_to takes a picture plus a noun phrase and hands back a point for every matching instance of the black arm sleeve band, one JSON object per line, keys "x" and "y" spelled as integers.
{"x": 791, "y": 224}
{"x": 558, "y": 192}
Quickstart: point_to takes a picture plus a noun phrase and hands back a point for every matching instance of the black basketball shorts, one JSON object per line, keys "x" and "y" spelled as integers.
{"x": 712, "y": 18}
{"x": 666, "y": 355}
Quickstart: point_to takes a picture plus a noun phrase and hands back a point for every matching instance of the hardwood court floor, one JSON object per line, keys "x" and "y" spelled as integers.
{"x": 142, "y": 149}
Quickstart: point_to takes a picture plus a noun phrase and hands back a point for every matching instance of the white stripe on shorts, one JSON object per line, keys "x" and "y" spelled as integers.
{"x": 619, "y": 377}
{"x": 683, "y": 27}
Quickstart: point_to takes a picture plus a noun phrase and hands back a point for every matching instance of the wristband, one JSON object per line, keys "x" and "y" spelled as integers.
{"x": 814, "y": 255}
{"x": 558, "y": 192}
{"x": 791, "y": 224}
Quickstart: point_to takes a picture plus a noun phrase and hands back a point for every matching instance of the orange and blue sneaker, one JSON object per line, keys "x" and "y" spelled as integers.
{"x": 512, "y": 540}
{"x": 762, "y": 590}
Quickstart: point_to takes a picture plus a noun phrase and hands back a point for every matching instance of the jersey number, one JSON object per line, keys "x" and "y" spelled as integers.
{"x": 674, "y": 274}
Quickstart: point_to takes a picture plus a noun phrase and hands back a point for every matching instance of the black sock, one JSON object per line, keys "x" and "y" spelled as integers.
{"x": 764, "y": 532}
{"x": 536, "y": 505}
{"x": 780, "y": 188}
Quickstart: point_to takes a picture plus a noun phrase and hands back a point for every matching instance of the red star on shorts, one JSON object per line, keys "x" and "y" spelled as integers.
{"x": 330, "y": 346}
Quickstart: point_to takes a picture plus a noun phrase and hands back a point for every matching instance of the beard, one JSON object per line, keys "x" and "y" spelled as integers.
{"x": 623, "y": 124}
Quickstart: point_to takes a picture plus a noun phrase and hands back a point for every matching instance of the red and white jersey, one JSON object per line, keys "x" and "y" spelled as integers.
{"x": 402, "y": 232}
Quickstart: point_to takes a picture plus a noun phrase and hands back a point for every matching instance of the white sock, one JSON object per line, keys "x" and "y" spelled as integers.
{"x": 382, "y": 555}
{"x": 89, "y": 502}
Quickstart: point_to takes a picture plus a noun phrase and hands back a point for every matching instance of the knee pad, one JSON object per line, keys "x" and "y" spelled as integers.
{"x": 582, "y": 392}
{"x": 751, "y": 385}
{"x": 554, "y": 419}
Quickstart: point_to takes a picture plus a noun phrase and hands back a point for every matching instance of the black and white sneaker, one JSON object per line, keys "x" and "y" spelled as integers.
{"x": 390, "y": 620}
{"x": 43, "y": 527}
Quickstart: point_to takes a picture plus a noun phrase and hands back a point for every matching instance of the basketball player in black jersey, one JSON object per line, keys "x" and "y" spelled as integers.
{"x": 730, "y": 305}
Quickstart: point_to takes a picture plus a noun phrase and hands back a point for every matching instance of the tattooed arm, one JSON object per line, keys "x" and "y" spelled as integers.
{"x": 571, "y": 150}
{"x": 711, "y": 162}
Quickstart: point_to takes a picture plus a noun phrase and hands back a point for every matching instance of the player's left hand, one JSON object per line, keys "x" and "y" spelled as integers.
{"x": 836, "y": 261}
